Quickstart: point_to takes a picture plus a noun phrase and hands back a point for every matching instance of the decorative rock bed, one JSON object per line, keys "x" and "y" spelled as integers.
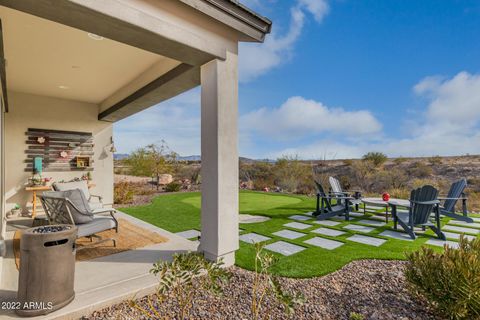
{"x": 374, "y": 288}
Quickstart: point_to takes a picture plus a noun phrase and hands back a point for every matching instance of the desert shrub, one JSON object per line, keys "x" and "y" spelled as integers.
{"x": 420, "y": 170}
{"x": 399, "y": 160}
{"x": 474, "y": 184}
{"x": 179, "y": 279}
{"x": 450, "y": 281}
{"x": 190, "y": 172}
{"x": 399, "y": 193}
{"x": 391, "y": 178}
{"x": 348, "y": 162}
{"x": 345, "y": 182}
{"x": 435, "y": 160}
{"x": 474, "y": 201}
{"x": 363, "y": 173}
{"x": 259, "y": 173}
{"x": 123, "y": 193}
{"x": 265, "y": 284}
{"x": 173, "y": 187}
{"x": 289, "y": 172}
{"x": 418, "y": 183}
{"x": 356, "y": 316}
{"x": 377, "y": 158}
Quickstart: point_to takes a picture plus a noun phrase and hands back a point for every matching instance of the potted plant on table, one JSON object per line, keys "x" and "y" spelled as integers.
{"x": 15, "y": 211}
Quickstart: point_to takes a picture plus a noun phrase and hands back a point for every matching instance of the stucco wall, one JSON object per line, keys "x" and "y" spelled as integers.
{"x": 33, "y": 111}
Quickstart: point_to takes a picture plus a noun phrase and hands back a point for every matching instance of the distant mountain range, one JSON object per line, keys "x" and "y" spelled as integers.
{"x": 121, "y": 156}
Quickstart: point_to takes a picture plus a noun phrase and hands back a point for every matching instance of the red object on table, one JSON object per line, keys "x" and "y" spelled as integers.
{"x": 386, "y": 196}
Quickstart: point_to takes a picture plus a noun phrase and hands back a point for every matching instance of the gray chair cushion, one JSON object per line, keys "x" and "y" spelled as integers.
{"x": 83, "y": 214}
{"x": 65, "y": 186}
{"x": 98, "y": 224}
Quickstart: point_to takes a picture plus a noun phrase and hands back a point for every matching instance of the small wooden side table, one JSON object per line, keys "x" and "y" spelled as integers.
{"x": 34, "y": 190}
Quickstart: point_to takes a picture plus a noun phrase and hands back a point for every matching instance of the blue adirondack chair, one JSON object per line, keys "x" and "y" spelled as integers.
{"x": 456, "y": 192}
{"x": 423, "y": 201}
{"x": 326, "y": 208}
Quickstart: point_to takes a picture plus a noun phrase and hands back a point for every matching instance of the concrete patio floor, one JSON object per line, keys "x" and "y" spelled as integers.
{"x": 107, "y": 280}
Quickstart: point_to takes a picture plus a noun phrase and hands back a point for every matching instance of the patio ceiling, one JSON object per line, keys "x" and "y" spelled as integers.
{"x": 51, "y": 59}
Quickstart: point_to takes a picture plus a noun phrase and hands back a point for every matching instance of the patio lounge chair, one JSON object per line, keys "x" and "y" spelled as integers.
{"x": 325, "y": 208}
{"x": 83, "y": 186}
{"x": 423, "y": 201}
{"x": 337, "y": 191}
{"x": 455, "y": 193}
{"x": 71, "y": 207}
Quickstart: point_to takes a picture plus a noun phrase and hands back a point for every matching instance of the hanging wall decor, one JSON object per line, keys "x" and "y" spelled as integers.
{"x": 59, "y": 150}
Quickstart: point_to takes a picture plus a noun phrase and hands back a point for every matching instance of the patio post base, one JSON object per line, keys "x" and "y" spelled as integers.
{"x": 228, "y": 258}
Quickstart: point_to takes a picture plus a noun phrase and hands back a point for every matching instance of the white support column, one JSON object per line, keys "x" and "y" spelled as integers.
{"x": 219, "y": 219}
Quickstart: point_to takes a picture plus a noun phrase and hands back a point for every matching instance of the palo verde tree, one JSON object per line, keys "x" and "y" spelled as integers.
{"x": 152, "y": 160}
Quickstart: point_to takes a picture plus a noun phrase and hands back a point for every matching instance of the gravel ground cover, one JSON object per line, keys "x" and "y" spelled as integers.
{"x": 374, "y": 288}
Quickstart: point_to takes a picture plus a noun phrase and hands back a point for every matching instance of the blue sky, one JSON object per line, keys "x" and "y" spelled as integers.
{"x": 339, "y": 78}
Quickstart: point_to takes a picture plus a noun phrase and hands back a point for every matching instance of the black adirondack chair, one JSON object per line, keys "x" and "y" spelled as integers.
{"x": 423, "y": 201}
{"x": 337, "y": 191}
{"x": 326, "y": 208}
{"x": 456, "y": 192}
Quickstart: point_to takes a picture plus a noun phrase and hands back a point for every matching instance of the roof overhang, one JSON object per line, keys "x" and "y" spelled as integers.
{"x": 250, "y": 24}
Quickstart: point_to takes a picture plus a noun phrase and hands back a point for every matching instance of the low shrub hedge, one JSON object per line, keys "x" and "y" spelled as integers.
{"x": 450, "y": 281}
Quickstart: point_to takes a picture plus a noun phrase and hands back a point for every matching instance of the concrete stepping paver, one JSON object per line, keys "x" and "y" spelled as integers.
{"x": 299, "y": 217}
{"x": 464, "y": 223}
{"x": 284, "y": 248}
{"x": 396, "y": 235}
{"x": 460, "y": 229}
{"x": 358, "y": 228}
{"x": 289, "y": 234}
{"x": 356, "y": 214}
{"x": 297, "y": 225}
{"x": 371, "y": 241}
{"x": 372, "y": 222}
{"x": 189, "y": 234}
{"x": 378, "y": 217}
{"x": 324, "y": 243}
{"x": 329, "y": 223}
{"x": 253, "y": 238}
{"x": 456, "y": 236}
{"x": 441, "y": 243}
{"x": 328, "y": 232}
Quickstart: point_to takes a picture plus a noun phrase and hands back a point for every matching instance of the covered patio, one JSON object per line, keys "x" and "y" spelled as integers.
{"x": 78, "y": 67}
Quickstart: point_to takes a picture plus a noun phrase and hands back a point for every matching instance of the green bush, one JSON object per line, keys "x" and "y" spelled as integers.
{"x": 356, "y": 316}
{"x": 450, "y": 281}
{"x": 173, "y": 187}
{"x": 377, "y": 158}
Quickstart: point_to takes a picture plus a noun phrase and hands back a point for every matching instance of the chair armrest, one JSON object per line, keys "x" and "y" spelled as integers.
{"x": 96, "y": 196}
{"x": 104, "y": 210}
{"x": 343, "y": 198}
{"x": 445, "y": 198}
{"x": 426, "y": 202}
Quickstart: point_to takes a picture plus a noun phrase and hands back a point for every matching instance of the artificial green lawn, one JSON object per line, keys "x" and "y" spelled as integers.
{"x": 181, "y": 211}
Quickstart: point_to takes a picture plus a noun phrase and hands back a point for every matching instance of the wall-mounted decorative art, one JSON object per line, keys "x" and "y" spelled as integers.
{"x": 59, "y": 150}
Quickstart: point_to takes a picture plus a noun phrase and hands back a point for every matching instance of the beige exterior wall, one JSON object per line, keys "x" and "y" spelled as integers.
{"x": 34, "y": 111}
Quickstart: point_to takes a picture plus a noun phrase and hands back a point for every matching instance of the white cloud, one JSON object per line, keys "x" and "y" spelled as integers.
{"x": 256, "y": 59}
{"x": 176, "y": 121}
{"x": 449, "y": 125}
{"x": 299, "y": 117}
{"x": 318, "y": 8}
